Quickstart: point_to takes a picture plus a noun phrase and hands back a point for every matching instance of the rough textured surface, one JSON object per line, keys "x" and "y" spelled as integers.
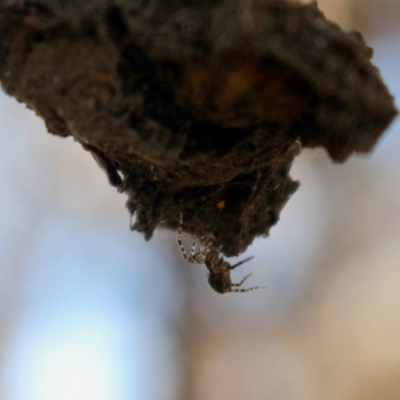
{"x": 201, "y": 105}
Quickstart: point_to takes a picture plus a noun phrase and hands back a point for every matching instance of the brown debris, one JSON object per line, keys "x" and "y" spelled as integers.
{"x": 194, "y": 101}
{"x": 221, "y": 205}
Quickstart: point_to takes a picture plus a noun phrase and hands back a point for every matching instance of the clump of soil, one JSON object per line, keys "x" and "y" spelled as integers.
{"x": 201, "y": 106}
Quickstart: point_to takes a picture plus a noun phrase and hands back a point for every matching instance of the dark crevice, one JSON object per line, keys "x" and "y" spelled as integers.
{"x": 116, "y": 25}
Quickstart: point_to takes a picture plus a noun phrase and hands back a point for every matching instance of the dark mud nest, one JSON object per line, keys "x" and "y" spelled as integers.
{"x": 200, "y": 105}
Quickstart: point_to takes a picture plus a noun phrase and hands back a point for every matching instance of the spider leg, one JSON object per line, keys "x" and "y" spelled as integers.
{"x": 193, "y": 258}
{"x": 248, "y": 289}
{"x": 242, "y": 281}
{"x": 192, "y": 250}
{"x": 183, "y": 252}
{"x": 240, "y": 263}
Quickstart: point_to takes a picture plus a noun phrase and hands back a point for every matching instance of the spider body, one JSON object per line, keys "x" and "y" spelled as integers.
{"x": 219, "y": 270}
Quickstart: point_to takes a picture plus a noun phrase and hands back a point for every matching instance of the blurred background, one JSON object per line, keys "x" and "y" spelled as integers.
{"x": 90, "y": 311}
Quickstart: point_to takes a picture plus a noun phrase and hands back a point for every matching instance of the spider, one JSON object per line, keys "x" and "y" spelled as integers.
{"x": 219, "y": 270}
